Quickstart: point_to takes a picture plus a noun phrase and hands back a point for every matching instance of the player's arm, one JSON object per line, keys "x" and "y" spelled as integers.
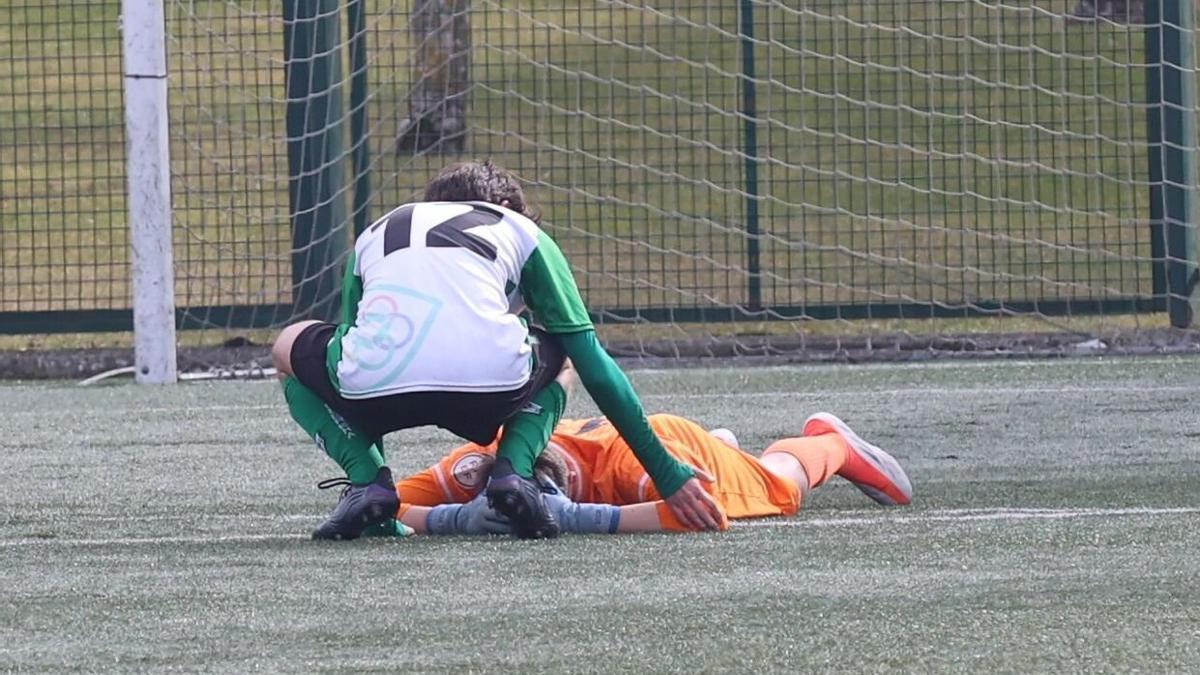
{"x": 473, "y": 518}
{"x": 578, "y": 518}
{"x": 415, "y": 517}
{"x": 451, "y": 519}
{"x": 477, "y": 518}
{"x": 655, "y": 517}
{"x": 549, "y": 291}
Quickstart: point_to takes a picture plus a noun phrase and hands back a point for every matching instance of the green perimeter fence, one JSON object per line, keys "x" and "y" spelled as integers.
{"x": 699, "y": 162}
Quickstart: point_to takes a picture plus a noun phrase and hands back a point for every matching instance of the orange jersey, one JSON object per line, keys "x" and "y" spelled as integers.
{"x": 604, "y": 469}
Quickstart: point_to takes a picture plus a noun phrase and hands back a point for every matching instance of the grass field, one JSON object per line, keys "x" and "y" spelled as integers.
{"x": 1055, "y": 529}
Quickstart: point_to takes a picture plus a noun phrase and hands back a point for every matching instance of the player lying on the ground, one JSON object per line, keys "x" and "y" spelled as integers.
{"x": 430, "y": 336}
{"x": 607, "y": 491}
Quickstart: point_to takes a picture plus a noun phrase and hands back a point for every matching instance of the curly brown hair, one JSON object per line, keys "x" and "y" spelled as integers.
{"x": 480, "y": 182}
{"x": 552, "y": 465}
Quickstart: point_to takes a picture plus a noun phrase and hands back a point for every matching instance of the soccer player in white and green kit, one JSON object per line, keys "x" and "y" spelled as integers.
{"x": 430, "y": 335}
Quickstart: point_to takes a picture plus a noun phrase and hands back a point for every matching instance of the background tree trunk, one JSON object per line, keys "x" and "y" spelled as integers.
{"x": 437, "y": 114}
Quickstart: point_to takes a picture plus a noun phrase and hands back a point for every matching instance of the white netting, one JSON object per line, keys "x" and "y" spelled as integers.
{"x": 900, "y": 158}
{"x": 906, "y": 152}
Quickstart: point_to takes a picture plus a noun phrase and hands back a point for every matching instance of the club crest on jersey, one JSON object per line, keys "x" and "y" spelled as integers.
{"x": 468, "y": 472}
{"x": 393, "y": 325}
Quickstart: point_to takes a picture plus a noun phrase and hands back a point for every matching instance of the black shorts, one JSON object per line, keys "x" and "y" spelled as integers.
{"x": 474, "y": 416}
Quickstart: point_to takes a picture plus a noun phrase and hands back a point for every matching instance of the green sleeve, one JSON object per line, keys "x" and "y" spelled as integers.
{"x": 549, "y": 290}
{"x": 352, "y": 292}
{"x": 614, "y": 395}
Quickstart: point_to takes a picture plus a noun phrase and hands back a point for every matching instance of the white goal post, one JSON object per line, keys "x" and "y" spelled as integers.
{"x": 146, "y": 132}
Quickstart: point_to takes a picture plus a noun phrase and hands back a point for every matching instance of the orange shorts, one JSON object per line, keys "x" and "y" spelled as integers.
{"x": 743, "y": 487}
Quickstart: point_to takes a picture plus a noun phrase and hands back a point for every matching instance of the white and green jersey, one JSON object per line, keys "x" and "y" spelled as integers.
{"x": 430, "y": 300}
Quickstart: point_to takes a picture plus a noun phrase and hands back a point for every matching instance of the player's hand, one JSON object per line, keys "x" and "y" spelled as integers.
{"x": 693, "y": 506}
{"x": 475, "y": 518}
{"x": 479, "y": 518}
{"x": 556, "y": 501}
{"x": 579, "y": 518}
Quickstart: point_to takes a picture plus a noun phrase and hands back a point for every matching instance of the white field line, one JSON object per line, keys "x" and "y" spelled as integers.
{"x": 972, "y": 515}
{"x": 1099, "y": 390}
{"x": 182, "y": 408}
{"x": 978, "y": 364}
{"x": 134, "y": 541}
{"x": 268, "y": 375}
{"x": 933, "y": 516}
{"x": 854, "y": 517}
{"x": 163, "y": 518}
{"x": 934, "y": 391}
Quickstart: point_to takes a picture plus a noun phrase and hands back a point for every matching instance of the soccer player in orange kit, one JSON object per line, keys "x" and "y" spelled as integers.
{"x": 600, "y": 468}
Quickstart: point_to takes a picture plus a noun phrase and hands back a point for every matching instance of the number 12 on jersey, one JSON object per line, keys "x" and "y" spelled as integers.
{"x": 451, "y": 233}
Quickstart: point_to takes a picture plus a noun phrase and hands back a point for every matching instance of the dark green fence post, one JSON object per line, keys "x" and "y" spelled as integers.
{"x": 750, "y": 149}
{"x": 313, "y": 77}
{"x": 1170, "y": 94}
{"x": 360, "y": 153}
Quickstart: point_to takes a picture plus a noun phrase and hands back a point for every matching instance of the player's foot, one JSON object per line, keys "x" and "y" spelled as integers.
{"x": 360, "y": 507}
{"x": 869, "y": 468}
{"x": 726, "y": 436}
{"x": 521, "y": 501}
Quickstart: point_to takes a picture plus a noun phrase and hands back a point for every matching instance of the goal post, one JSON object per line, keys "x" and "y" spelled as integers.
{"x": 149, "y": 172}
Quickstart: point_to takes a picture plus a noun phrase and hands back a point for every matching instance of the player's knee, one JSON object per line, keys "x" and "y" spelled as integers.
{"x": 280, "y": 355}
{"x": 567, "y": 378}
{"x": 779, "y": 459}
{"x": 281, "y": 350}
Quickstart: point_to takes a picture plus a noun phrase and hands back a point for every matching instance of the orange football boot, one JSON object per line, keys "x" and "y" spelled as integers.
{"x": 869, "y": 468}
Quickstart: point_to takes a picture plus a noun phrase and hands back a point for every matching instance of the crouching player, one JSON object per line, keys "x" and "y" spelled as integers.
{"x": 605, "y": 490}
{"x": 430, "y": 335}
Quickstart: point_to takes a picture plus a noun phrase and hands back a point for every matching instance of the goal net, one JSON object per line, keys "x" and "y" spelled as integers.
{"x": 797, "y": 177}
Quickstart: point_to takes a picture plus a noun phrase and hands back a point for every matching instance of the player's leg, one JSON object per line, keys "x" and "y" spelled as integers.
{"x": 355, "y": 452}
{"x": 512, "y": 490}
{"x": 806, "y": 461}
{"x": 867, "y": 466}
{"x": 527, "y": 432}
{"x": 370, "y": 497}
{"x": 727, "y": 437}
{"x": 829, "y": 447}
{"x": 281, "y": 349}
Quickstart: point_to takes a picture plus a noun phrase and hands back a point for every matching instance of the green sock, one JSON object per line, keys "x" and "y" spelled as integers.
{"x": 390, "y": 528}
{"x": 358, "y": 455}
{"x": 527, "y": 432}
